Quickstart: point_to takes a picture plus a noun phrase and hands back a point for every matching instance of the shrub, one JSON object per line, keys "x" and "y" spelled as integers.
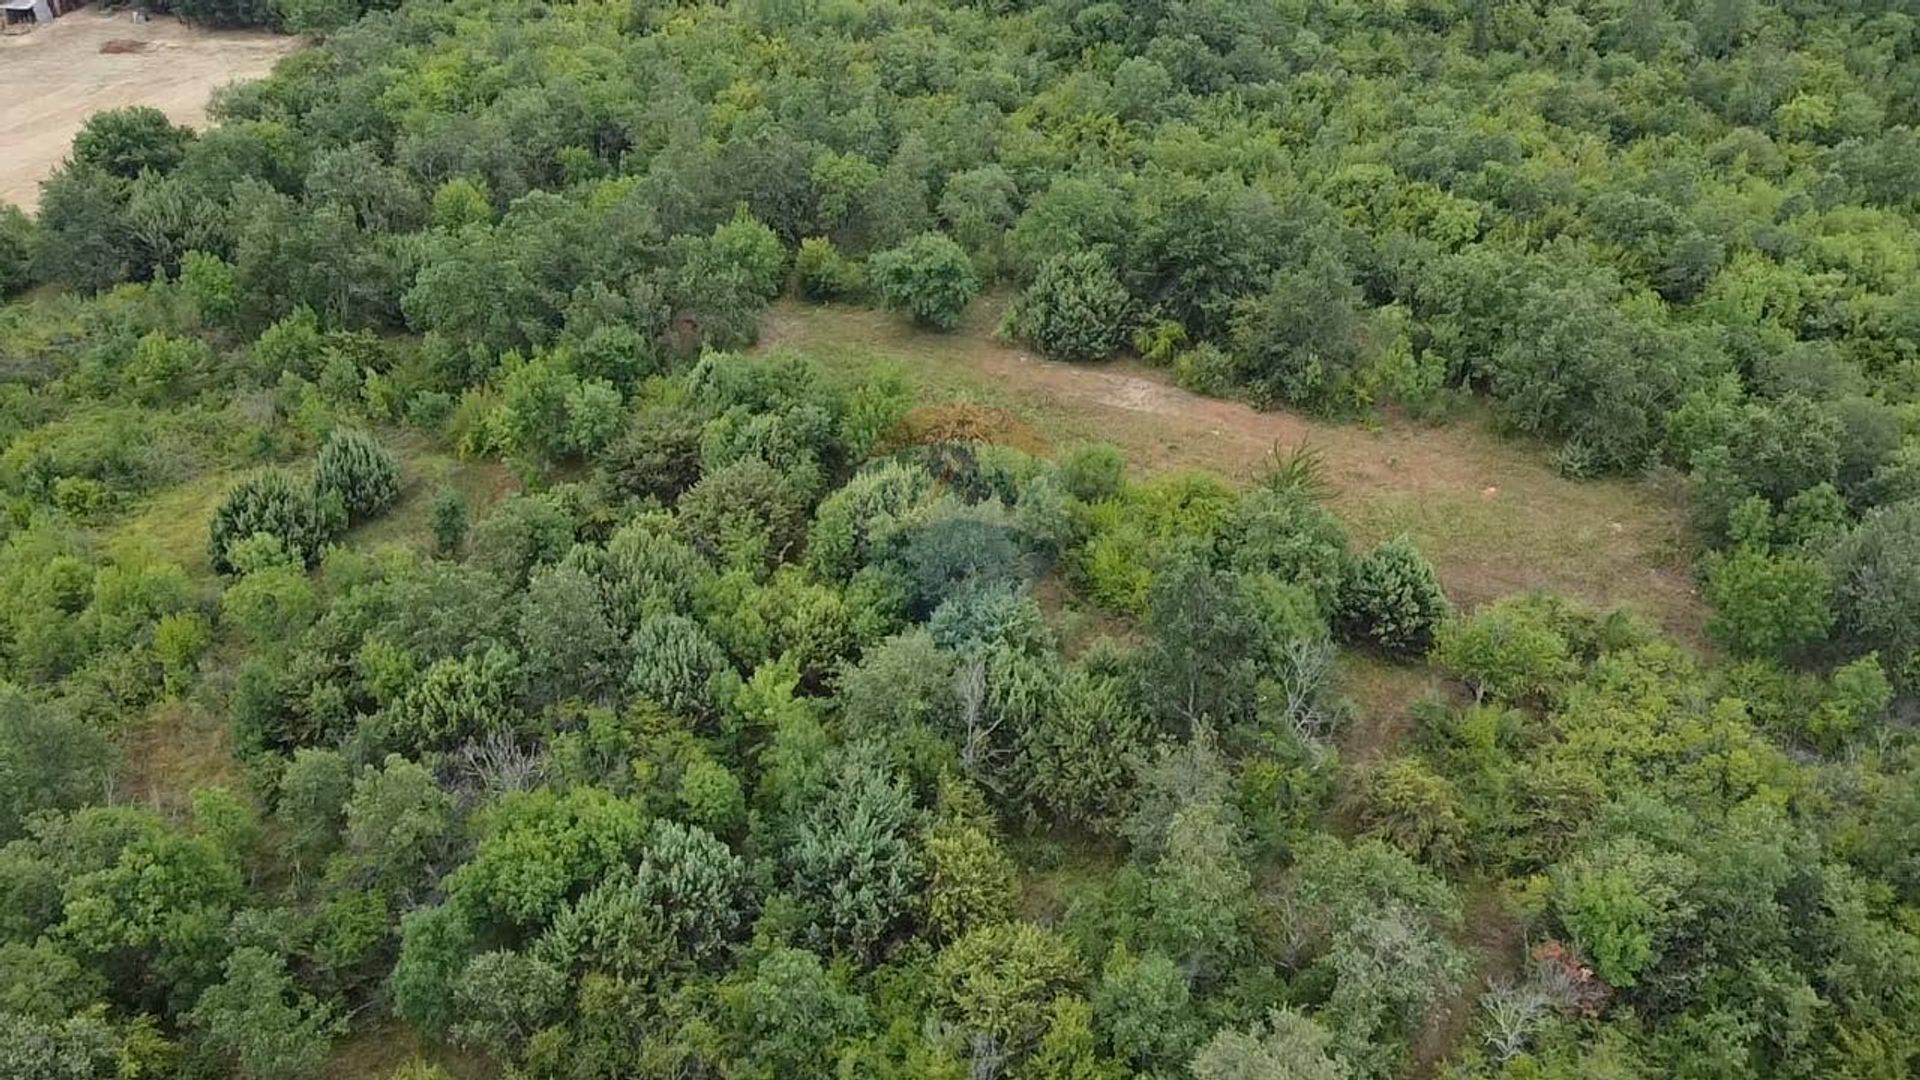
{"x": 16, "y": 250}
{"x": 126, "y": 142}
{"x": 271, "y": 502}
{"x": 1206, "y": 369}
{"x": 1076, "y": 308}
{"x": 678, "y": 667}
{"x": 1876, "y": 575}
{"x": 1767, "y": 605}
{"x": 1415, "y": 809}
{"x": 1093, "y": 472}
{"x": 1392, "y": 599}
{"x": 354, "y": 466}
{"x": 449, "y": 522}
{"x": 825, "y": 273}
{"x": 1510, "y": 650}
{"x": 929, "y": 277}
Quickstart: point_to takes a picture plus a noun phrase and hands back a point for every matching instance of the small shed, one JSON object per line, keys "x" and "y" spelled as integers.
{"x": 26, "y": 11}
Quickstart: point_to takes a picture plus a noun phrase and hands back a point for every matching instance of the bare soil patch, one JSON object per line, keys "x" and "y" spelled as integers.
{"x": 56, "y": 76}
{"x": 1490, "y": 511}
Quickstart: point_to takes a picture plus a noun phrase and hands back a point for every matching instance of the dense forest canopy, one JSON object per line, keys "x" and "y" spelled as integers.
{"x": 425, "y": 622}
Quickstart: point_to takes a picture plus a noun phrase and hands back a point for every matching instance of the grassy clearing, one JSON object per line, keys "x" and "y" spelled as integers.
{"x": 1488, "y": 510}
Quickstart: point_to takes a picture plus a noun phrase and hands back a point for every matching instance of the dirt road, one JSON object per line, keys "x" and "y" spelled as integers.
{"x": 54, "y": 77}
{"x": 1489, "y": 511}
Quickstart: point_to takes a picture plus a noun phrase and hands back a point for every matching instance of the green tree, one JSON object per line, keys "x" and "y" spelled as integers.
{"x": 854, "y": 860}
{"x": 1076, "y": 308}
{"x": 1621, "y": 903}
{"x": 999, "y": 982}
{"x": 1145, "y": 1011}
{"x": 449, "y": 516}
{"x": 356, "y": 469}
{"x": 1876, "y": 569}
{"x": 49, "y": 760}
{"x": 274, "y": 503}
{"x": 126, "y": 142}
{"x": 929, "y": 277}
{"x": 1392, "y": 599}
{"x": 1509, "y": 650}
{"x": 269, "y": 1027}
{"x": 17, "y": 242}
{"x": 1288, "y": 1046}
{"x": 1767, "y": 605}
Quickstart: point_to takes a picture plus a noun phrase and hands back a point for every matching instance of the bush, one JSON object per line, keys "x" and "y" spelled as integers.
{"x": 825, "y": 273}
{"x": 355, "y": 467}
{"x": 1876, "y": 575}
{"x": 449, "y": 522}
{"x": 274, "y": 503}
{"x": 1392, "y": 599}
{"x": 1206, "y": 369}
{"x": 1093, "y": 472}
{"x": 929, "y": 277}
{"x": 1767, "y": 605}
{"x": 126, "y": 142}
{"x": 16, "y": 250}
{"x": 1510, "y": 650}
{"x": 1076, "y": 308}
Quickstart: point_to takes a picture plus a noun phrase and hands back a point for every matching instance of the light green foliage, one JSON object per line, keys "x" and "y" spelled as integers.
{"x": 538, "y": 849}
{"x": 1287, "y": 1045}
{"x": 1076, "y": 308}
{"x": 1620, "y": 904}
{"x": 1509, "y": 650}
{"x": 928, "y": 277}
{"x": 457, "y": 699}
{"x": 824, "y": 272}
{"x": 1093, "y": 472}
{"x": 752, "y": 247}
{"x": 1200, "y": 891}
{"x": 788, "y": 1014}
{"x": 970, "y": 880}
{"x": 862, "y": 521}
{"x": 179, "y": 639}
{"x": 1767, "y": 605}
{"x": 1145, "y": 1010}
{"x": 1000, "y": 981}
{"x": 460, "y": 202}
{"x": 270, "y": 605}
{"x": 259, "y": 1018}
{"x": 711, "y": 797}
